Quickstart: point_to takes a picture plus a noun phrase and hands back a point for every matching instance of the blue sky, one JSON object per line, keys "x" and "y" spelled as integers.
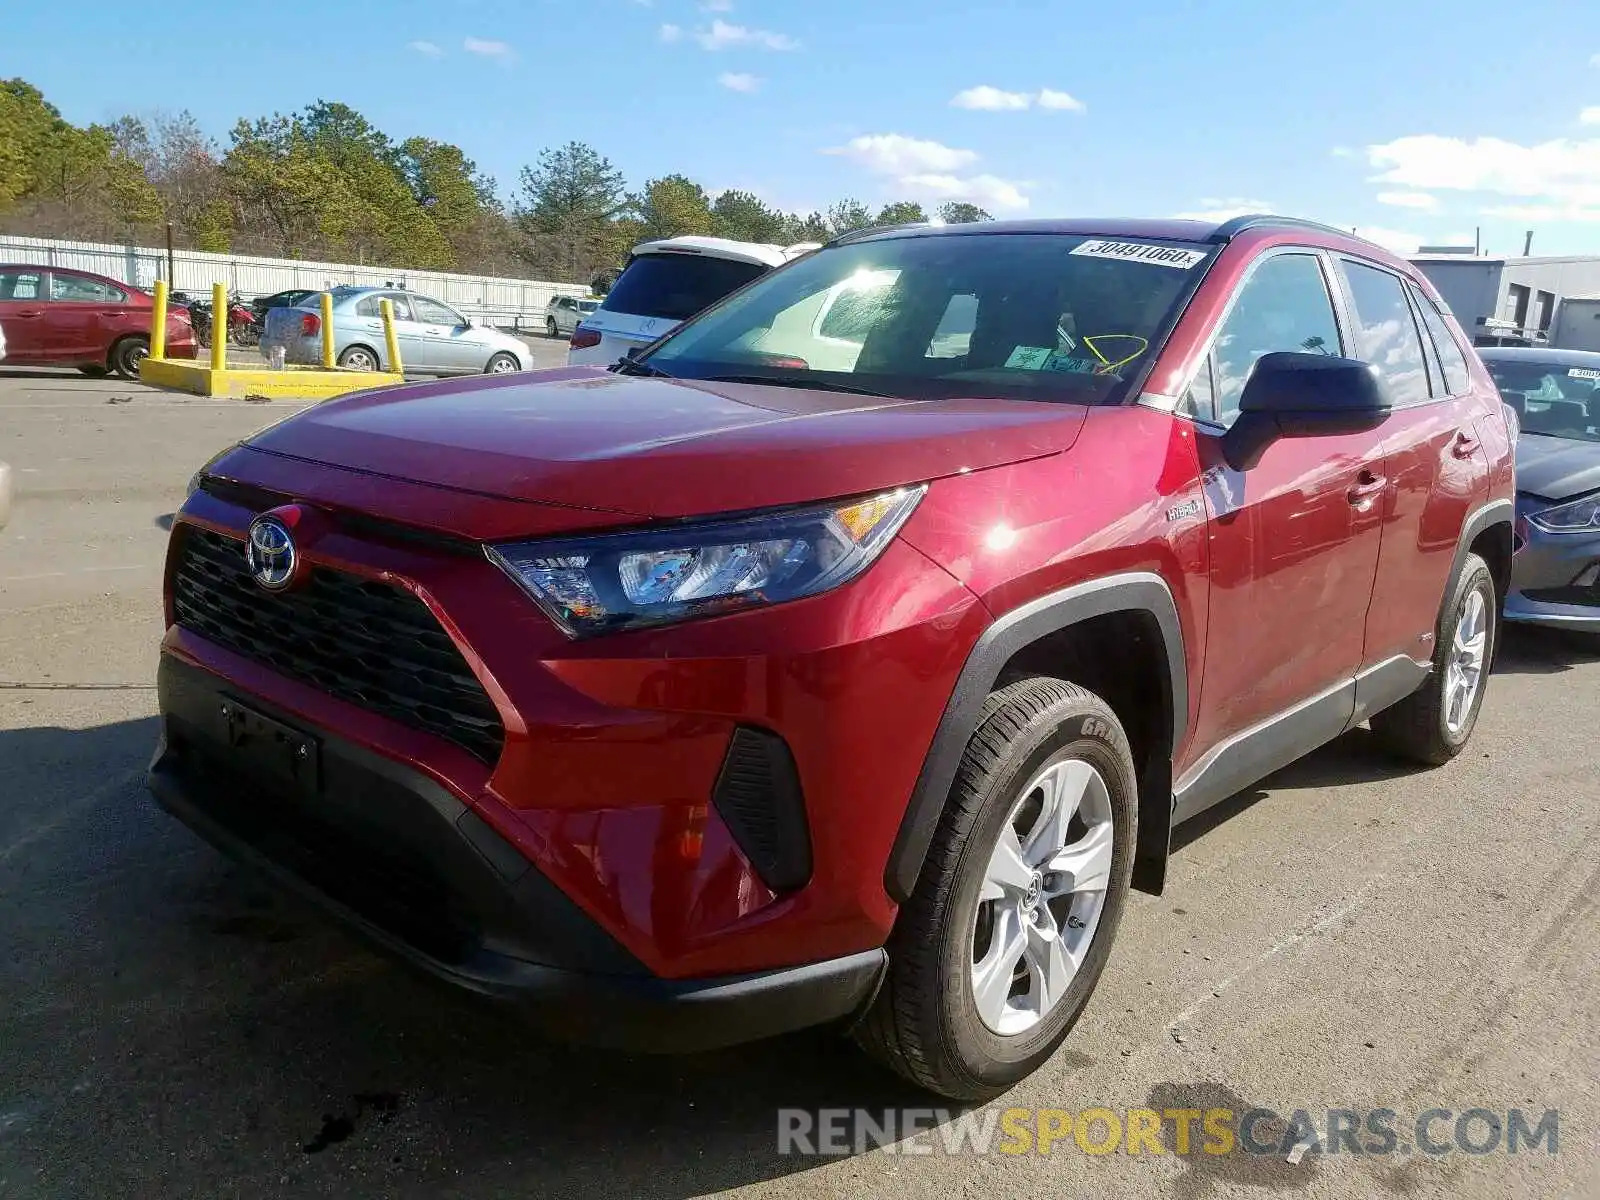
{"x": 1412, "y": 120}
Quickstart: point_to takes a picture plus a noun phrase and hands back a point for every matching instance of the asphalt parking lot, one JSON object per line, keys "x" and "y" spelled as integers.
{"x": 1345, "y": 936}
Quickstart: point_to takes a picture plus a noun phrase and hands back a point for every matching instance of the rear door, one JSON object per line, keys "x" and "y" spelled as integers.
{"x": 84, "y": 316}
{"x": 1293, "y": 540}
{"x": 1438, "y": 472}
{"x": 22, "y": 301}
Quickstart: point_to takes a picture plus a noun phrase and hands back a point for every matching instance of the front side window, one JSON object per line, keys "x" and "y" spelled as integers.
{"x": 1028, "y": 316}
{"x": 1283, "y": 306}
{"x": 431, "y": 312}
{"x": 21, "y": 285}
{"x": 1385, "y": 332}
{"x": 78, "y": 289}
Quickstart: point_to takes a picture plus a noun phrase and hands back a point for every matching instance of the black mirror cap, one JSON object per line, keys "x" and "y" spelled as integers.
{"x": 1287, "y": 382}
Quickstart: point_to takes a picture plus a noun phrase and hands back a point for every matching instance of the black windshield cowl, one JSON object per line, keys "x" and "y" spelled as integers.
{"x": 634, "y": 366}
{"x": 796, "y": 381}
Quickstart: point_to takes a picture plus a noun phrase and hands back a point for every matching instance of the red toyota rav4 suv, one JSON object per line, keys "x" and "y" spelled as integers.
{"x": 799, "y": 671}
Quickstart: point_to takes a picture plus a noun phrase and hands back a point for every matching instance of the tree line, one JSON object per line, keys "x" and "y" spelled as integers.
{"x": 326, "y": 184}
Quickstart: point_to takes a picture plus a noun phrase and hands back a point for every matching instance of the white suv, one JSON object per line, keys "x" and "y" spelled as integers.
{"x": 563, "y": 314}
{"x": 665, "y": 283}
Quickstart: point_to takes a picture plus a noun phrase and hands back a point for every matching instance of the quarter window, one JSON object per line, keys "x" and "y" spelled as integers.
{"x": 1385, "y": 332}
{"x": 1456, "y": 378}
{"x": 1283, "y": 306}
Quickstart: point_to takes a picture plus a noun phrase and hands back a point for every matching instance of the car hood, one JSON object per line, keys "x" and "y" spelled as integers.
{"x": 644, "y": 447}
{"x": 1557, "y": 468}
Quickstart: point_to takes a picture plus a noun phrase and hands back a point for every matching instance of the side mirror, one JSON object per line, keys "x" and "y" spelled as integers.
{"x": 1291, "y": 394}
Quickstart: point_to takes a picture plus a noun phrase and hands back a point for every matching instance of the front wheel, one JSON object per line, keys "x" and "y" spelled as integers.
{"x": 127, "y": 354}
{"x": 1001, "y": 943}
{"x": 551, "y": 328}
{"x": 502, "y": 364}
{"x": 1432, "y": 725}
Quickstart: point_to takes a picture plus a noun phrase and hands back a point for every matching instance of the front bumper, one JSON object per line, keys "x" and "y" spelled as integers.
{"x": 406, "y": 864}
{"x": 1555, "y": 580}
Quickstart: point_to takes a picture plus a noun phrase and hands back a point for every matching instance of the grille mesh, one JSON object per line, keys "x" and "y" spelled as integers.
{"x": 365, "y": 642}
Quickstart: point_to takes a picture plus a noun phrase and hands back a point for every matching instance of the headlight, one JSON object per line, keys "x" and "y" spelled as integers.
{"x": 1580, "y": 516}
{"x": 655, "y": 576}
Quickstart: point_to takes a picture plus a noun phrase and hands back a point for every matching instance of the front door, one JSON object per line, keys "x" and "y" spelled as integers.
{"x": 84, "y": 316}
{"x": 22, "y": 301}
{"x": 1293, "y": 547}
{"x": 447, "y": 338}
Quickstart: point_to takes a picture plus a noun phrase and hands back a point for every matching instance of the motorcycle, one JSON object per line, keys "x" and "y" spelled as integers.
{"x": 244, "y": 325}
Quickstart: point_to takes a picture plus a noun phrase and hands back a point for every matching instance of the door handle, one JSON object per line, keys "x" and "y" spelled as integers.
{"x": 1365, "y": 489}
{"x": 30, "y": 315}
{"x": 1465, "y": 445}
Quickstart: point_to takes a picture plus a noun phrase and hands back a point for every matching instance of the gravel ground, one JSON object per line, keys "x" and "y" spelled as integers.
{"x": 1345, "y": 936}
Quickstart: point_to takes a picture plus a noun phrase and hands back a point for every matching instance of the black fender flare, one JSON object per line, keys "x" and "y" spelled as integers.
{"x": 1139, "y": 591}
{"x": 1495, "y": 512}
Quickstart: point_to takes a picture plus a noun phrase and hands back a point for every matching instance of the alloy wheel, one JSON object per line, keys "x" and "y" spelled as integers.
{"x": 1042, "y": 896}
{"x": 1464, "y": 670}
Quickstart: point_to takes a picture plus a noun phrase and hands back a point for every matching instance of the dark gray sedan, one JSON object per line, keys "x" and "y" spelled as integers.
{"x": 1556, "y": 396}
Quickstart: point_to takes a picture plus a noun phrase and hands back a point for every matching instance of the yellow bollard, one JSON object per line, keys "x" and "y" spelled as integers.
{"x": 219, "y": 327}
{"x": 386, "y": 306}
{"x": 158, "y": 323}
{"x": 327, "y": 331}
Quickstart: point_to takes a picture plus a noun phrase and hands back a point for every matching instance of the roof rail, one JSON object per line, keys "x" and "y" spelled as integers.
{"x": 1229, "y": 230}
{"x": 852, "y": 235}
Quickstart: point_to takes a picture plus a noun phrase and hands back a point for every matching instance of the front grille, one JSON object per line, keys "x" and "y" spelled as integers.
{"x": 366, "y": 642}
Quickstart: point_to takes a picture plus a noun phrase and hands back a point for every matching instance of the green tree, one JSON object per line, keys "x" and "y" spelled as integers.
{"x": 27, "y": 120}
{"x": 959, "y": 212}
{"x": 813, "y": 227}
{"x": 901, "y": 212}
{"x": 746, "y": 218}
{"x": 569, "y": 205}
{"x": 673, "y": 206}
{"x": 847, "y": 215}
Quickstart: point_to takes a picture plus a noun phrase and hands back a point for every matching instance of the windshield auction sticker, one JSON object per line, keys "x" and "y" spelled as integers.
{"x": 1583, "y": 373}
{"x": 1160, "y": 256}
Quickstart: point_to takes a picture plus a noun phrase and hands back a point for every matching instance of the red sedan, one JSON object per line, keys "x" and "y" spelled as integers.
{"x": 54, "y": 317}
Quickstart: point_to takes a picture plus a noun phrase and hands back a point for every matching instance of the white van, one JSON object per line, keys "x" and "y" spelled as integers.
{"x": 665, "y": 283}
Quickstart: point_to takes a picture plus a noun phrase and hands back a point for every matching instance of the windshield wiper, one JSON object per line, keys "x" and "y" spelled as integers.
{"x": 633, "y": 366}
{"x": 820, "y": 385}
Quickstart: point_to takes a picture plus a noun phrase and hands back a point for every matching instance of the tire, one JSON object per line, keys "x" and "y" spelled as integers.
{"x": 359, "y": 358}
{"x": 94, "y": 370}
{"x": 551, "y": 328}
{"x": 1426, "y": 727}
{"x": 127, "y": 354}
{"x": 502, "y": 364}
{"x": 927, "y": 1022}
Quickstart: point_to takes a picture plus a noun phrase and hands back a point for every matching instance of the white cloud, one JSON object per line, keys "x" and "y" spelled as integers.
{"x": 1216, "y": 209}
{"x": 990, "y": 99}
{"x": 487, "y": 48}
{"x": 671, "y": 33}
{"x": 1590, "y": 115}
{"x": 722, "y": 36}
{"x": 1562, "y": 175}
{"x": 895, "y": 154}
{"x": 739, "y": 81}
{"x": 1420, "y": 200}
{"x": 1061, "y": 100}
{"x": 986, "y": 191}
{"x": 427, "y": 48}
{"x": 1543, "y": 212}
{"x": 1594, "y": 60}
{"x": 985, "y": 98}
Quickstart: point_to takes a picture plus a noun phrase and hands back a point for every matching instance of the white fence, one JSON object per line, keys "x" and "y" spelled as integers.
{"x": 509, "y": 303}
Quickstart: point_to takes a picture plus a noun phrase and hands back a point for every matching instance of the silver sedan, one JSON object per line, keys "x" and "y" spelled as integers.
{"x": 434, "y": 338}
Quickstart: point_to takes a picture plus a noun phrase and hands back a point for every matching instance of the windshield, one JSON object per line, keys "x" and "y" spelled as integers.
{"x": 676, "y": 285}
{"x": 1552, "y": 397}
{"x": 1033, "y": 316}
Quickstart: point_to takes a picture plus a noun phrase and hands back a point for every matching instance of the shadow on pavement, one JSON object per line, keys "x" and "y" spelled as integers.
{"x": 1533, "y": 650}
{"x": 171, "y": 1026}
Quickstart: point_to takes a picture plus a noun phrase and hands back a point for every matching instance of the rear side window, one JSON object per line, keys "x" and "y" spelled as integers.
{"x": 677, "y": 286}
{"x": 1451, "y": 360}
{"x": 1386, "y": 334}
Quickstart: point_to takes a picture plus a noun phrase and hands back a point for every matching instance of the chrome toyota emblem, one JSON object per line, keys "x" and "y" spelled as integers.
{"x": 269, "y": 553}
